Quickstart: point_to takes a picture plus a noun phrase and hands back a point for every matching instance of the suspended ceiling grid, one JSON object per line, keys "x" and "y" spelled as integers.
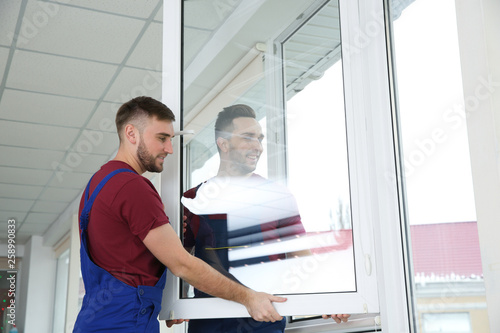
{"x": 65, "y": 67}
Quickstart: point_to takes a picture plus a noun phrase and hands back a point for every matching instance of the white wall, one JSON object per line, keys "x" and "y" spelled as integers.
{"x": 37, "y": 288}
{"x": 479, "y": 36}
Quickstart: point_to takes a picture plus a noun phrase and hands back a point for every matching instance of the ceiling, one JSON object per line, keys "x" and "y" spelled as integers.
{"x": 65, "y": 68}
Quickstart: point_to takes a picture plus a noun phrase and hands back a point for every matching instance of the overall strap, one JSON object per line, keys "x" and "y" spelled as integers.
{"x": 88, "y": 202}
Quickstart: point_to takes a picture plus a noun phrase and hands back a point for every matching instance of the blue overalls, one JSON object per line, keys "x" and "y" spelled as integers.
{"x": 111, "y": 305}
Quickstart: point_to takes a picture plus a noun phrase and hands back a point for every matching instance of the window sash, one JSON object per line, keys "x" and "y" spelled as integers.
{"x": 375, "y": 205}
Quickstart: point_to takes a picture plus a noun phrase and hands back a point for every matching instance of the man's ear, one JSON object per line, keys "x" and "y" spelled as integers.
{"x": 131, "y": 133}
{"x": 223, "y": 144}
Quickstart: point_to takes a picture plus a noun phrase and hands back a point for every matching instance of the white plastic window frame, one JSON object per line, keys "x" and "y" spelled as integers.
{"x": 61, "y": 292}
{"x": 378, "y": 240}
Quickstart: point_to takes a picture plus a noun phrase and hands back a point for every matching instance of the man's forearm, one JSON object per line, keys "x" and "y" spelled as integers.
{"x": 207, "y": 279}
{"x": 165, "y": 245}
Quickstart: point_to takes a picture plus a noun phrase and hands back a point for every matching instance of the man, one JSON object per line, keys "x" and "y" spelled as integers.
{"x": 126, "y": 238}
{"x": 239, "y": 209}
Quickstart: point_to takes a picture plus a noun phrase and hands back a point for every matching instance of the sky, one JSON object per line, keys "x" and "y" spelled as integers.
{"x": 316, "y": 147}
{"x": 431, "y": 104}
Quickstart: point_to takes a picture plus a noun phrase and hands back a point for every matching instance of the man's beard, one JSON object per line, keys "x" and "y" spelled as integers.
{"x": 240, "y": 165}
{"x": 147, "y": 160}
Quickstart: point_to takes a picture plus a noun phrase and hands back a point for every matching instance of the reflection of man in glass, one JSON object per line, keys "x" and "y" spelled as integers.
{"x": 237, "y": 210}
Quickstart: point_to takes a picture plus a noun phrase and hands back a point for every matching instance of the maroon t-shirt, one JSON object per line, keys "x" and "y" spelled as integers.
{"x": 125, "y": 210}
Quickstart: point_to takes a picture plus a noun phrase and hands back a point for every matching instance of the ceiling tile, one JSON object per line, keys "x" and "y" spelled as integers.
{"x": 104, "y": 117}
{"x": 148, "y": 53}
{"x": 104, "y": 143}
{"x": 20, "y": 191}
{"x": 197, "y": 38}
{"x": 29, "y": 157}
{"x": 45, "y": 109}
{"x": 49, "y": 207}
{"x": 205, "y": 15}
{"x": 6, "y": 215}
{"x": 15, "y": 205}
{"x": 24, "y": 176}
{"x": 59, "y": 194}
{"x": 40, "y": 218}
{"x": 59, "y": 75}
{"x": 140, "y": 9}
{"x": 133, "y": 82}
{"x": 36, "y": 136}
{"x": 85, "y": 34}
{"x": 159, "y": 15}
{"x": 79, "y": 162}
{"x": 9, "y": 13}
{"x": 92, "y": 163}
{"x": 4, "y": 55}
{"x": 34, "y": 228}
{"x": 72, "y": 180}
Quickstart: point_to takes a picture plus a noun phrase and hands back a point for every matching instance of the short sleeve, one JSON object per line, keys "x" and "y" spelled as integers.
{"x": 140, "y": 206}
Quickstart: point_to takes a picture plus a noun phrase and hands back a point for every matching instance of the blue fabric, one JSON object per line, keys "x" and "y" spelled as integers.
{"x": 235, "y": 325}
{"x": 110, "y": 305}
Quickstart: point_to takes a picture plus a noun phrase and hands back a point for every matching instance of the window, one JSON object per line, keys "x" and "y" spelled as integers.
{"x": 447, "y": 284}
{"x": 243, "y": 53}
{"x": 316, "y": 138}
{"x": 60, "y": 298}
{"x": 324, "y": 216}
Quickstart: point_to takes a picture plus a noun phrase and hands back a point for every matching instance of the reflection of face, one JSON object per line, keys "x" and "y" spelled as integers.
{"x": 155, "y": 144}
{"x": 245, "y": 144}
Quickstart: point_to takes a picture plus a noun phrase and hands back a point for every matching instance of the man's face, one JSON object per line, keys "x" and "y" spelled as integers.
{"x": 155, "y": 144}
{"x": 245, "y": 144}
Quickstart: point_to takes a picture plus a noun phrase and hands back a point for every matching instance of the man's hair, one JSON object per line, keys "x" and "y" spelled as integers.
{"x": 224, "y": 123}
{"x": 138, "y": 110}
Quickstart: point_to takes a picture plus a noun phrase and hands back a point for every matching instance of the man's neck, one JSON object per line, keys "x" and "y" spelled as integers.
{"x": 125, "y": 157}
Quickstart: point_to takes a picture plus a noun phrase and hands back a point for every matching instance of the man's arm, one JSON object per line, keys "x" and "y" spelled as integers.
{"x": 165, "y": 245}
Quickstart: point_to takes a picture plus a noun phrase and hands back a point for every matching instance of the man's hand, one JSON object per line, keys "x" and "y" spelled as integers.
{"x": 260, "y": 307}
{"x": 170, "y": 323}
{"x": 338, "y": 317}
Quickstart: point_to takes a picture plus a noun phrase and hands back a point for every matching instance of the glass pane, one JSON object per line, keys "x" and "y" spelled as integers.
{"x": 316, "y": 144}
{"x": 257, "y": 210}
{"x": 202, "y": 154}
{"x": 446, "y": 263}
{"x": 446, "y": 322}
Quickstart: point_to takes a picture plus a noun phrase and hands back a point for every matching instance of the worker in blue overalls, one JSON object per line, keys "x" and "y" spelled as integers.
{"x": 127, "y": 242}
